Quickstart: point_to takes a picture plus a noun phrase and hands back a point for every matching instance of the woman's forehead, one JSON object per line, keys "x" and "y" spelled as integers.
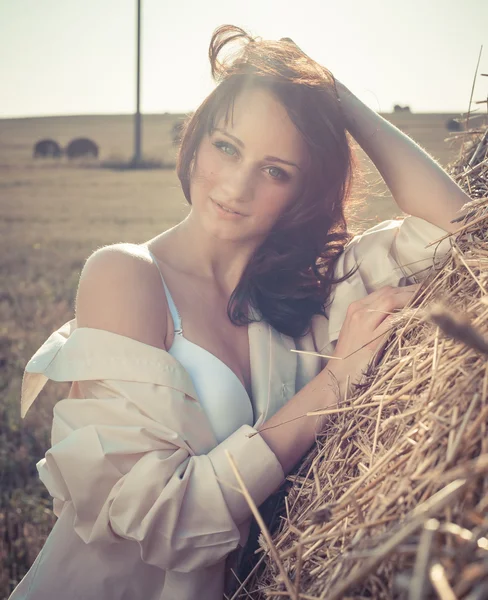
{"x": 256, "y": 116}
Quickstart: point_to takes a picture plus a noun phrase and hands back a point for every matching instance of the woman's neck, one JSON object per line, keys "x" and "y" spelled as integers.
{"x": 210, "y": 259}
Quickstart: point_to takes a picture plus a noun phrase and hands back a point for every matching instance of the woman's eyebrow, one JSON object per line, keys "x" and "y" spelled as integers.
{"x": 233, "y": 137}
{"x": 242, "y": 145}
{"x": 282, "y": 160}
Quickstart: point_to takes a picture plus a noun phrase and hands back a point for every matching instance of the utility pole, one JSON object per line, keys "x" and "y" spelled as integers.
{"x": 137, "y": 159}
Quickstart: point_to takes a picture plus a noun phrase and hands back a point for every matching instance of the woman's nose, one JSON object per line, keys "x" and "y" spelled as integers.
{"x": 236, "y": 185}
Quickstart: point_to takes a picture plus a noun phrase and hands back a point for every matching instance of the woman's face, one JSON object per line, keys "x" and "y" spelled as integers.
{"x": 255, "y": 165}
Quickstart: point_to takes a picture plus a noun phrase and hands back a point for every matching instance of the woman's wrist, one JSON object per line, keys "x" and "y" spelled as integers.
{"x": 290, "y": 433}
{"x": 341, "y": 374}
{"x": 335, "y": 377}
{"x": 344, "y": 94}
{"x": 342, "y": 91}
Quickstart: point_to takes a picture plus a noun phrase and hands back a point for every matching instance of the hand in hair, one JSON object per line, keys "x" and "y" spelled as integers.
{"x": 340, "y": 87}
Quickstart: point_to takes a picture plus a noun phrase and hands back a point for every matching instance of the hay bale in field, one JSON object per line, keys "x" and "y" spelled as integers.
{"x": 454, "y": 125}
{"x": 176, "y": 132}
{"x": 393, "y": 502}
{"x": 397, "y": 108}
{"x": 47, "y": 149}
{"x": 81, "y": 147}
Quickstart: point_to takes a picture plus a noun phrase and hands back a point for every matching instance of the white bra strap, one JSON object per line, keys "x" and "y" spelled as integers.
{"x": 172, "y": 306}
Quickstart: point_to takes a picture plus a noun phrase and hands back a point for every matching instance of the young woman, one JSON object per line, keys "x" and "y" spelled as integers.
{"x": 181, "y": 346}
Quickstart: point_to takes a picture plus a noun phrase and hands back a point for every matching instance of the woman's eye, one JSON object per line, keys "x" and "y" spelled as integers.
{"x": 277, "y": 173}
{"x": 226, "y": 148}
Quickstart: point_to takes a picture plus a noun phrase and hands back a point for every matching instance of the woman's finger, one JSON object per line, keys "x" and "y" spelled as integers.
{"x": 372, "y": 313}
{"x": 406, "y": 291}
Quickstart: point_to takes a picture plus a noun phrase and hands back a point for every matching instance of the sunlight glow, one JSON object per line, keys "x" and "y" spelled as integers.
{"x": 79, "y": 58}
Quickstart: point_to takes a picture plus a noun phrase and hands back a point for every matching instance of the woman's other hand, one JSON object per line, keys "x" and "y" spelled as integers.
{"x": 365, "y": 331}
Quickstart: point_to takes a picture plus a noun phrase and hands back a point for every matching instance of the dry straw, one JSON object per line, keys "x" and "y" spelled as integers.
{"x": 393, "y": 500}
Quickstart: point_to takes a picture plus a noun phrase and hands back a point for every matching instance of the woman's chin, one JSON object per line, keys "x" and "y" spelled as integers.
{"x": 228, "y": 229}
{"x": 225, "y": 228}
{"x": 226, "y": 234}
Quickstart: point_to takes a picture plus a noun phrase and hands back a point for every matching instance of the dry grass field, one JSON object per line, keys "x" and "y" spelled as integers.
{"x": 53, "y": 215}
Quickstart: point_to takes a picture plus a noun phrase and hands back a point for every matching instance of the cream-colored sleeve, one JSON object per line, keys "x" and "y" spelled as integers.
{"x": 391, "y": 253}
{"x": 135, "y": 454}
{"x": 395, "y": 253}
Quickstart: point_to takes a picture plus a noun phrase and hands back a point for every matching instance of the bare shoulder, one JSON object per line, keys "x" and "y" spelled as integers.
{"x": 120, "y": 290}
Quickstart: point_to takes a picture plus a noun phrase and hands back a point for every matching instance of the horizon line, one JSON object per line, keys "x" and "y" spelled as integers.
{"x": 179, "y": 114}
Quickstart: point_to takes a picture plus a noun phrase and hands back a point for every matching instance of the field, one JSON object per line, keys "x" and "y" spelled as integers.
{"x": 53, "y": 215}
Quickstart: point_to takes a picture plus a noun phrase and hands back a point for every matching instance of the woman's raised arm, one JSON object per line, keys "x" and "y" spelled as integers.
{"x": 419, "y": 185}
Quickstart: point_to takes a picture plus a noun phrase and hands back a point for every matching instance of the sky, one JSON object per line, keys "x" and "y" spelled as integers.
{"x": 66, "y": 57}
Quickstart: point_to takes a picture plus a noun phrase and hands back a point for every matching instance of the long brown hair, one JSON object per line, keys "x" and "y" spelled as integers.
{"x": 290, "y": 275}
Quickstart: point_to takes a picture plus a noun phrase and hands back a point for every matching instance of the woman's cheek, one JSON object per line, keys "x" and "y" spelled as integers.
{"x": 278, "y": 200}
{"x": 204, "y": 176}
{"x": 205, "y": 162}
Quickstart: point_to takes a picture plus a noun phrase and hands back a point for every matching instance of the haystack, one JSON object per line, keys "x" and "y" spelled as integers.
{"x": 393, "y": 500}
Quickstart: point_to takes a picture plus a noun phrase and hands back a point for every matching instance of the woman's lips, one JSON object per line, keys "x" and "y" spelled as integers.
{"x": 228, "y": 211}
